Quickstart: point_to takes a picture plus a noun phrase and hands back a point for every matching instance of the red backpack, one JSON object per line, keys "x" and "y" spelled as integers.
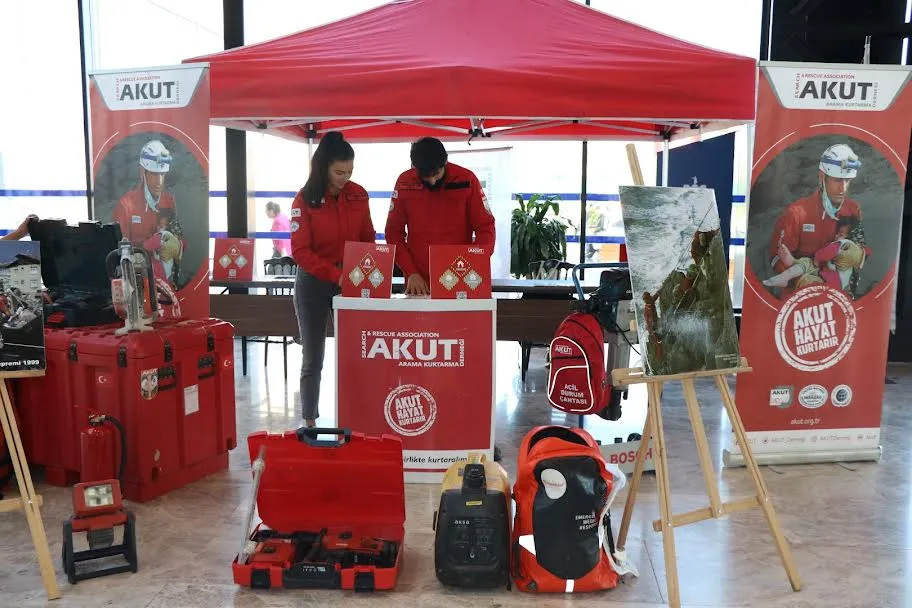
{"x": 562, "y": 540}
{"x": 578, "y": 382}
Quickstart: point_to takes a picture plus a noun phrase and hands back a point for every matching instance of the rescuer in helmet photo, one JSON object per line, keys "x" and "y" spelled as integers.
{"x": 811, "y": 224}
{"x": 137, "y": 211}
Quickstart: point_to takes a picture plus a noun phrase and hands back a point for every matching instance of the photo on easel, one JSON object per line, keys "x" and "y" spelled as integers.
{"x": 679, "y": 279}
{"x": 21, "y": 308}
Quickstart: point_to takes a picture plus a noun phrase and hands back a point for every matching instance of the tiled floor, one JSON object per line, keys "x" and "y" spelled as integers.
{"x": 850, "y": 525}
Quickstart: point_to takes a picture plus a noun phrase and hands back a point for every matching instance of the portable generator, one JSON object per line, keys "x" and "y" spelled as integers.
{"x": 472, "y": 525}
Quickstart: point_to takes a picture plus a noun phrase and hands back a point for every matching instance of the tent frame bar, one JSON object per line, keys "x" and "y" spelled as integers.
{"x": 533, "y": 127}
{"x": 378, "y": 123}
{"x": 430, "y": 125}
{"x": 680, "y": 122}
{"x": 476, "y": 128}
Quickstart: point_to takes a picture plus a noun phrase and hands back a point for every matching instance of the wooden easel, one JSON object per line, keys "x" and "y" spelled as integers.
{"x": 28, "y": 500}
{"x": 717, "y": 509}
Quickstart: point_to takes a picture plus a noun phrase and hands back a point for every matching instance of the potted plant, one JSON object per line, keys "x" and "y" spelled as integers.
{"x": 535, "y": 237}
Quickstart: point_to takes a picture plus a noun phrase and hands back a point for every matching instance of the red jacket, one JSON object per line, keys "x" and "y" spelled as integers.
{"x": 805, "y": 229}
{"x": 318, "y": 235}
{"x": 448, "y": 216}
{"x": 137, "y": 221}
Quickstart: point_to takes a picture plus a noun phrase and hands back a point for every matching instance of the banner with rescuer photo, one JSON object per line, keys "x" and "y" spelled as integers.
{"x": 422, "y": 370}
{"x": 823, "y": 231}
{"x": 150, "y": 168}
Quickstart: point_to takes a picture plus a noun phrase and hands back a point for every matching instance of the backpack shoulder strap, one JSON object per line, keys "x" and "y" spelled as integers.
{"x": 557, "y": 432}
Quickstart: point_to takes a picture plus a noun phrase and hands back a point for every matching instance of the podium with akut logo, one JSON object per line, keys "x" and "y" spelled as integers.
{"x": 420, "y": 368}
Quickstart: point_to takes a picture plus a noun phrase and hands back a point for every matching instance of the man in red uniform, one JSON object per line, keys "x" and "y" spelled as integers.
{"x": 440, "y": 204}
{"x": 809, "y": 224}
{"x": 137, "y": 210}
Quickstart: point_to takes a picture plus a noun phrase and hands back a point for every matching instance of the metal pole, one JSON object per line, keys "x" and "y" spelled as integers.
{"x": 665, "y": 148}
{"x": 583, "y": 204}
{"x": 766, "y": 31}
{"x": 85, "y": 109}
{"x": 235, "y": 139}
{"x": 584, "y": 175}
{"x": 236, "y": 149}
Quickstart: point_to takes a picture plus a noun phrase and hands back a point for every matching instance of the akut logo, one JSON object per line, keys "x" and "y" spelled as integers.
{"x": 835, "y": 89}
{"x": 413, "y": 349}
{"x": 139, "y": 91}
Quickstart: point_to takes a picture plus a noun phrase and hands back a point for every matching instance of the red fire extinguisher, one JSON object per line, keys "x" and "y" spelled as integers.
{"x": 98, "y": 449}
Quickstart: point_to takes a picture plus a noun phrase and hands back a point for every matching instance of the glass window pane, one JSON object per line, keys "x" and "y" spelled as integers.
{"x": 41, "y": 174}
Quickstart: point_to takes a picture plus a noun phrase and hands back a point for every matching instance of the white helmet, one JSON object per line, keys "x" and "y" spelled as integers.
{"x": 155, "y": 157}
{"x": 839, "y": 161}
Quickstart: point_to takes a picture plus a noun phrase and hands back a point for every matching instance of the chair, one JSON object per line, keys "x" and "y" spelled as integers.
{"x": 544, "y": 270}
{"x": 284, "y": 266}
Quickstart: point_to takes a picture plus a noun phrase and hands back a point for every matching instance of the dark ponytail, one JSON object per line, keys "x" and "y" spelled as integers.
{"x": 332, "y": 148}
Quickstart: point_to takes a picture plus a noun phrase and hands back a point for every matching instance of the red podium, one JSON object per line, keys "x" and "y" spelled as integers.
{"x": 421, "y": 369}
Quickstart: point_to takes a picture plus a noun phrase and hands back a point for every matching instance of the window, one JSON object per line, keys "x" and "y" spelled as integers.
{"x": 42, "y": 156}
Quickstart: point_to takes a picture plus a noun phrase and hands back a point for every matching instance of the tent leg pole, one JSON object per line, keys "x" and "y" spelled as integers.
{"x": 665, "y": 149}
{"x": 310, "y": 150}
{"x": 584, "y": 205}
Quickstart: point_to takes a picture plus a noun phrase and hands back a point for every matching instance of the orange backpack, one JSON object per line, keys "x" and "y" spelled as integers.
{"x": 562, "y": 540}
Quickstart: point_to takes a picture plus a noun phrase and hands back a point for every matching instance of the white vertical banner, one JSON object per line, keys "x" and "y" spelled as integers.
{"x": 494, "y": 171}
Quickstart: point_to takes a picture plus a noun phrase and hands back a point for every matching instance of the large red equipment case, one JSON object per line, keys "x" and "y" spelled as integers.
{"x": 348, "y": 491}
{"x": 172, "y": 389}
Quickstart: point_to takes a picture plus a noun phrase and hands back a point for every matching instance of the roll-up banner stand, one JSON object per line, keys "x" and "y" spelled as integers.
{"x": 823, "y": 229}
{"x": 150, "y": 169}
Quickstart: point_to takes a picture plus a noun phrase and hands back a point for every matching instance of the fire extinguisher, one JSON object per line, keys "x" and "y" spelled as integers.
{"x": 99, "y": 450}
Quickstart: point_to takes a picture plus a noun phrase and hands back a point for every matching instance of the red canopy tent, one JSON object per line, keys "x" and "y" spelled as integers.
{"x": 456, "y": 69}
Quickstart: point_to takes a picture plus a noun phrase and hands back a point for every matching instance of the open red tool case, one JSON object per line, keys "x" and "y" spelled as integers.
{"x": 332, "y": 512}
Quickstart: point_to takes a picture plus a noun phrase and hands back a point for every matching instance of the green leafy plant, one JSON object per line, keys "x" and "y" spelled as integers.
{"x": 536, "y": 237}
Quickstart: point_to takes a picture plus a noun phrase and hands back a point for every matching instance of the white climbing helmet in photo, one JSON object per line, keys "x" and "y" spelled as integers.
{"x": 155, "y": 157}
{"x": 840, "y": 161}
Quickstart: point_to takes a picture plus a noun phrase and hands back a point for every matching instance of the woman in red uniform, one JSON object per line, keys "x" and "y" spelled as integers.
{"x": 328, "y": 211}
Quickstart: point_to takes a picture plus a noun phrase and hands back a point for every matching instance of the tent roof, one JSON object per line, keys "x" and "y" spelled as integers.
{"x": 547, "y": 69}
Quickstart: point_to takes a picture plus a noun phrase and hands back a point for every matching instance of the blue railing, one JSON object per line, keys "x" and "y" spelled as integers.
{"x": 379, "y": 194}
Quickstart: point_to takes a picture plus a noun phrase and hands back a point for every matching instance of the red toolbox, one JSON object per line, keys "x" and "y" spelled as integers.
{"x": 172, "y": 389}
{"x": 332, "y": 511}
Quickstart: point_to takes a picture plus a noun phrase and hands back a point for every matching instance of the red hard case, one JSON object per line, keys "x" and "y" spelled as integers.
{"x": 172, "y": 389}
{"x": 351, "y": 482}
